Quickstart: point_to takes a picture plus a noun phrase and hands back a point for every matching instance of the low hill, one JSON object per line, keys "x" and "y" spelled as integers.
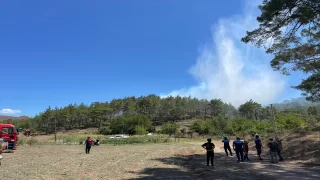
{"x": 13, "y": 117}
{"x": 298, "y": 103}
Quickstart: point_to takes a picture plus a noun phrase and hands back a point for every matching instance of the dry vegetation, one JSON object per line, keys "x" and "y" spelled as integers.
{"x": 184, "y": 160}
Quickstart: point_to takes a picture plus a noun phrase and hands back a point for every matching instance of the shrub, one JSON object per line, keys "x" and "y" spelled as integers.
{"x": 289, "y": 121}
{"x": 128, "y": 124}
{"x": 136, "y": 140}
{"x": 20, "y": 141}
{"x": 140, "y": 130}
{"x": 104, "y": 130}
{"x": 170, "y": 128}
{"x": 32, "y": 141}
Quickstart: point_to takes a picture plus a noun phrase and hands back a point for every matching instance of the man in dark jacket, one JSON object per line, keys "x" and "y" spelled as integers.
{"x": 258, "y": 146}
{"x": 226, "y": 146}
{"x": 209, "y": 146}
{"x": 238, "y": 147}
{"x": 273, "y": 146}
{"x": 279, "y": 149}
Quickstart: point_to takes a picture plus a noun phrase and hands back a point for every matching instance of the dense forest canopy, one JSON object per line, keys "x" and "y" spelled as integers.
{"x": 139, "y": 115}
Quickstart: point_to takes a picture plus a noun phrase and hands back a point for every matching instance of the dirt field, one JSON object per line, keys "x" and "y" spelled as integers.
{"x": 150, "y": 161}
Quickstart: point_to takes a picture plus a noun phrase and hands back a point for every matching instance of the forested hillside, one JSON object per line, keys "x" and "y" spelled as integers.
{"x": 298, "y": 103}
{"x": 132, "y": 115}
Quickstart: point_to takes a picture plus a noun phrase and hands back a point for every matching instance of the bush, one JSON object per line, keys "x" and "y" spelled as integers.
{"x": 136, "y": 140}
{"x": 289, "y": 121}
{"x": 140, "y": 130}
{"x": 32, "y": 141}
{"x": 201, "y": 127}
{"x": 170, "y": 128}
{"x": 128, "y": 124}
{"x": 104, "y": 130}
{"x": 20, "y": 141}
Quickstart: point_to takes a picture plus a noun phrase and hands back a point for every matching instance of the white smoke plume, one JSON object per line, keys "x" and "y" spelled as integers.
{"x": 232, "y": 70}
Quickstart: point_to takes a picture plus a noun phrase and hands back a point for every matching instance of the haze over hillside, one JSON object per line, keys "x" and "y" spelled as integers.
{"x": 300, "y": 102}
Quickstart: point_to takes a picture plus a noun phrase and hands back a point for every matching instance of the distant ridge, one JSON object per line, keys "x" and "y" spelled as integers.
{"x": 13, "y": 117}
{"x": 300, "y": 102}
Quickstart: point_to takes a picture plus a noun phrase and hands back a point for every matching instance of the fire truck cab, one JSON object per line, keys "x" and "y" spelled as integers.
{"x": 10, "y": 136}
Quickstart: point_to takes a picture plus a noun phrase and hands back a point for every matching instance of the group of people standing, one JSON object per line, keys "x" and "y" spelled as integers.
{"x": 241, "y": 149}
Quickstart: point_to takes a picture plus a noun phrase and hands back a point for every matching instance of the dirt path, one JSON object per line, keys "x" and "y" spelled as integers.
{"x": 228, "y": 168}
{"x": 193, "y": 166}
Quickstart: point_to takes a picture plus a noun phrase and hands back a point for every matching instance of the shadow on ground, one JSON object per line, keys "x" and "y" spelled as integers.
{"x": 194, "y": 167}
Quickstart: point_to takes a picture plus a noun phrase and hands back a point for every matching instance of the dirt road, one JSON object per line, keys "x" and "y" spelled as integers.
{"x": 193, "y": 166}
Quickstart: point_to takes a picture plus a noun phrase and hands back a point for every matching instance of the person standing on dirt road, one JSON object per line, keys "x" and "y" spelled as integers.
{"x": 88, "y": 144}
{"x": 279, "y": 141}
{"x": 209, "y": 146}
{"x": 238, "y": 147}
{"x": 246, "y": 150}
{"x": 273, "y": 146}
{"x": 226, "y": 146}
{"x": 258, "y": 146}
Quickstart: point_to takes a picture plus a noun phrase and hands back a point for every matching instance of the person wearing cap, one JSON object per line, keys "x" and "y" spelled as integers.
{"x": 209, "y": 146}
{"x": 226, "y": 146}
{"x": 238, "y": 147}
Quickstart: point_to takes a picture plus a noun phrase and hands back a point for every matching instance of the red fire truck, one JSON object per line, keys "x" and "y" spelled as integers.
{"x": 10, "y": 135}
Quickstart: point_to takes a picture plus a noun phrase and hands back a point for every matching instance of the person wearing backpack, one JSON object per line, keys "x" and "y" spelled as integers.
{"x": 209, "y": 146}
{"x": 273, "y": 146}
{"x": 226, "y": 146}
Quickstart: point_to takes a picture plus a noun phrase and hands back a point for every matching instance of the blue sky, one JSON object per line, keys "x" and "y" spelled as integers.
{"x": 61, "y": 52}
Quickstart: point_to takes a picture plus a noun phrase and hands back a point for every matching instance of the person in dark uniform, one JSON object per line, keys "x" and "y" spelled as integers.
{"x": 274, "y": 146}
{"x": 226, "y": 146}
{"x": 209, "y": 146}
{"x": 238, "y": 147}
{"x": 279, "y": 149}
{"x": 88, "y": 144}
{"x": 258, "y": 146}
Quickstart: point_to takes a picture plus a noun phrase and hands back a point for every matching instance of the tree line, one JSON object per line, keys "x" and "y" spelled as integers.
{"x": 139, "y": 115}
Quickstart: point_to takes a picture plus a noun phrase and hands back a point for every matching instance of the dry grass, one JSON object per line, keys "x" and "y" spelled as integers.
{"x": 183, "y": 160}
{"x": 104, "y": 162}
